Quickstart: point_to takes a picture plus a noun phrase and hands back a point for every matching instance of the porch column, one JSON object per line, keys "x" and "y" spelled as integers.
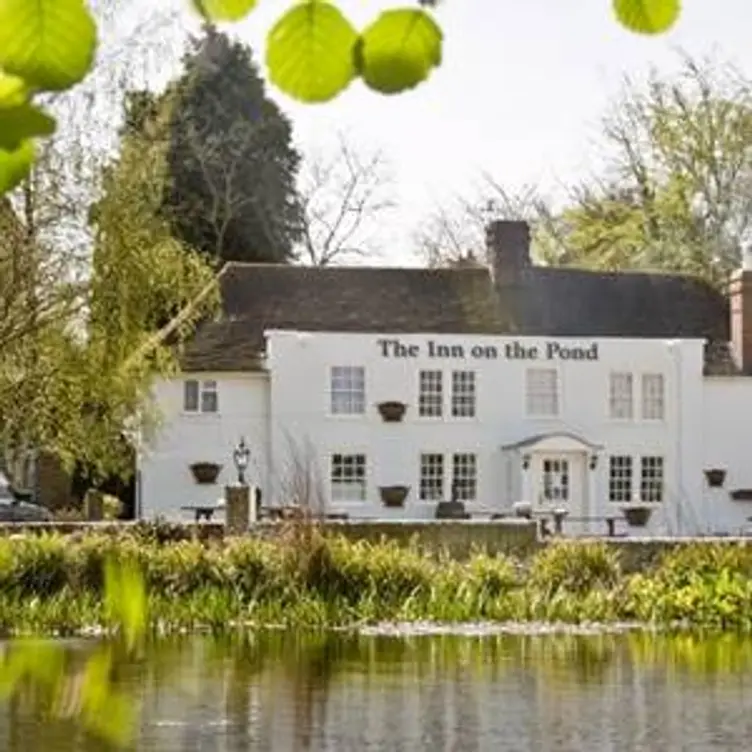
{"x": 525, "y": 465}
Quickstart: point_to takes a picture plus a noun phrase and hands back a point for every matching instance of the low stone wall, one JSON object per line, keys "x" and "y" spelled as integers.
{"x": 458, "y": 538}
{"x": 641, "y": 554}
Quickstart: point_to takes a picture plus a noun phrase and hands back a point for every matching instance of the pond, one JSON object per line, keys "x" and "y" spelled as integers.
{"x": 327, "y": 692}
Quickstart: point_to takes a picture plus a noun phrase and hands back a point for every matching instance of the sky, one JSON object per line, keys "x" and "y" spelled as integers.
{"x": 519, "y": 95}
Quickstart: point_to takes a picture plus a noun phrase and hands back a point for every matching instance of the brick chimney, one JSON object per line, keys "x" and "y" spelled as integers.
{"x": 508, "y": 249}
{"x": 740, "y": 304}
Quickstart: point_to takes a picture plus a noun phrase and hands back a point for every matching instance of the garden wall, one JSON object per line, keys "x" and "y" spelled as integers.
{"x": 512, "y": 537}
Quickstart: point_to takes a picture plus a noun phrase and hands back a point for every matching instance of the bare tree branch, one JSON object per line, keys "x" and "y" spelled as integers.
{"x": 344, "y": 195}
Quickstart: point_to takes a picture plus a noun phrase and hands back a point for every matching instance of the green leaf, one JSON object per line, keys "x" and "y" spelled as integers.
{"x": 309, "y": 52}
{"x": 13, "y": 91}
{"x": 399, "y": 50}
{"x": 647, "y": 16}
{"x": 224, "y": 10}
{"x": 20, "y": 123}
{"x": 15, "y": 165}
{"x": 49, "y": 43}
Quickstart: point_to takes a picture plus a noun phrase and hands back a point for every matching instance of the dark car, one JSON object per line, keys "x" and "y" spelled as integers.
{"x": 13, "y": 508}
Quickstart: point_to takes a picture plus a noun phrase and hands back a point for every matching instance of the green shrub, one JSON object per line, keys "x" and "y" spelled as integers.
{"x": 574, "y": 567}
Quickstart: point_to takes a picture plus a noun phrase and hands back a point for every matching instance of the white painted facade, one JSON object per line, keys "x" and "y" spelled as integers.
{"x": 285, "y": 415}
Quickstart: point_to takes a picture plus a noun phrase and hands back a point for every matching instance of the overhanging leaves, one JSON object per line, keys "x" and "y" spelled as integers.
{"x": 309, "y": 52}
{"x": 48, "y": 43}
{"x": 647, "y": 16}
{"x": 399, "y": 50}
{"x": 13, "y": 91}
{"x": 15, "y": 165}
{"x": 224, "y": 10}
{"x": 20, "y": 123}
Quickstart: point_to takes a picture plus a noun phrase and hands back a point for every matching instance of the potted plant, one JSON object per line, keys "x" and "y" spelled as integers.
{"x": 715, "y": 477}
{"x": 392, "y": 411}
{"x": 637, "y": 515}
{"x": 394, "y": 496}
{"x": 205, "y": 473}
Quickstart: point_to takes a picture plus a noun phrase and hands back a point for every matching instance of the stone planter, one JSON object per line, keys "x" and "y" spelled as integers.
{"x": 394, "y": 496}
{"x": 205, "y": 473}
{"x": 715, "y": 477}
{"x": 392, "y": 411}
{"x": 451, "y": 510}
{"x": 637, "y": 516}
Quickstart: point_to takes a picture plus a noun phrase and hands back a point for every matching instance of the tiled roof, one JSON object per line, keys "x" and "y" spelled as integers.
{"x": 545, "y": 301}
{"x": 258, "y": 297}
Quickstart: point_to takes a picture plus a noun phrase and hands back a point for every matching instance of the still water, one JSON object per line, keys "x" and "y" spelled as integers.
{"x": 323, "y": 693}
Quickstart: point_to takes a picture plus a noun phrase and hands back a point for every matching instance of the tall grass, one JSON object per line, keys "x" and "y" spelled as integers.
{"x": 305, "y": 578}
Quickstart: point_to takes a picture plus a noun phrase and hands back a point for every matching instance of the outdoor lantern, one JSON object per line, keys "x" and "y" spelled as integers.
{"x": 525, "y": 461}
{"x": 593, "y": 461}
{"x": 241, "y": 455}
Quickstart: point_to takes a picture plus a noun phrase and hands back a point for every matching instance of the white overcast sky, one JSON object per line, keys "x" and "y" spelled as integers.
{"x": 519, "y": 94}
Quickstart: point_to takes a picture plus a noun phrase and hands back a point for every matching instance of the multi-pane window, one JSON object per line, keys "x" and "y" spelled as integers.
{"x": 200, "y": 396}
{"x": 620, "y": 396}
{"x": 464, "y": 477}
{"x": 348, "y": 477}
{"x": 620, "y": 478}
{"x": 651, "y": 478}
{"x": 653, "y": 396}
{"x": 430, "y": 394}
{"x": 348, "y": 390}
{"x": 431, "y": 477}
{"x": 555, "y": 480}
{"x": 463, "y": 394}
{"x": 542, "y": 386}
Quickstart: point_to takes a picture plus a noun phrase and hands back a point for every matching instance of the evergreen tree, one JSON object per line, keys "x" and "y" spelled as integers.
{"x": 232, "y": 167}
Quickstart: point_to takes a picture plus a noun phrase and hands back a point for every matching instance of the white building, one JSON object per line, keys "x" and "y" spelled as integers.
{"x": 561, "y": 387}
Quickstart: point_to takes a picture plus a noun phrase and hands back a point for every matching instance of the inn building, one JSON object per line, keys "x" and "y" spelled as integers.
{"x": 378, "y": 392}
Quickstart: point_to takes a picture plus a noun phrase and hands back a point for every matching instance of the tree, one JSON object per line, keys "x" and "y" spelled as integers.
{"x": 147, "y": 292}
{"x": 455, "y": 234}
{"x": 232, "y": 166}
{"x": 344, "y": 196}
{"x": 313, "y": 54}
{"x": 677, "y": 189}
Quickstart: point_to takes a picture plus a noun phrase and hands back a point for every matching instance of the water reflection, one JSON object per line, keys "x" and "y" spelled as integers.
{"x": 325, "y": 692}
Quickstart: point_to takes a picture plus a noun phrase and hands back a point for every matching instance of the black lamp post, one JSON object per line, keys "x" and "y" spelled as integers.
{"x": 241, "y": 456}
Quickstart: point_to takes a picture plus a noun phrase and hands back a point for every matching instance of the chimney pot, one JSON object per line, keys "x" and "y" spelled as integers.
{"x": 740, "y": 305}
{"x": 508, "y": 249}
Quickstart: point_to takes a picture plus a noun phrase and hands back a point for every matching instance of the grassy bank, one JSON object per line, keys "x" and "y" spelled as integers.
{"x": 54, "y": 584}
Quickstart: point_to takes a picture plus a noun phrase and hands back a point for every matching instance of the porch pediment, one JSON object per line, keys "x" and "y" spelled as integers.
{"x": 553, "y": 441}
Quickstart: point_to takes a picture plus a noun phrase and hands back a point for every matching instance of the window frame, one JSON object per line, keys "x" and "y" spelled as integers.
{"x": 433, "y": 397}
{"x": 470, "y": 496}
{"x": 204, "y": 388}
{"x": 554, "y": 395}
{"x": 626, "y": 378}
{"x": 349, "y": 387}
{"x": 659, "y": 397}
{"x": 467, "y": 396}
{"x": 646, "y": 477}
{"x": 439, "y": 476}
{"x": 621, "y": 478}
{"x": 356, "y": 460}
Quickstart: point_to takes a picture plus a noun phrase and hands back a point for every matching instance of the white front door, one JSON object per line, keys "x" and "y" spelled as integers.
{"x": 558, "y": 482}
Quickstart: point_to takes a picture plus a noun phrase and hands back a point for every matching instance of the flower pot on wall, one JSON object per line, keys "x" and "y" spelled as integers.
{"x": 741, "y": 494}
{"x": 715, "y": 477}
{"x": 394, "y": 496}
{"x": 392, "y": 411}
{"x": 637, "y": 515}
{"x": 205, "y": 473}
